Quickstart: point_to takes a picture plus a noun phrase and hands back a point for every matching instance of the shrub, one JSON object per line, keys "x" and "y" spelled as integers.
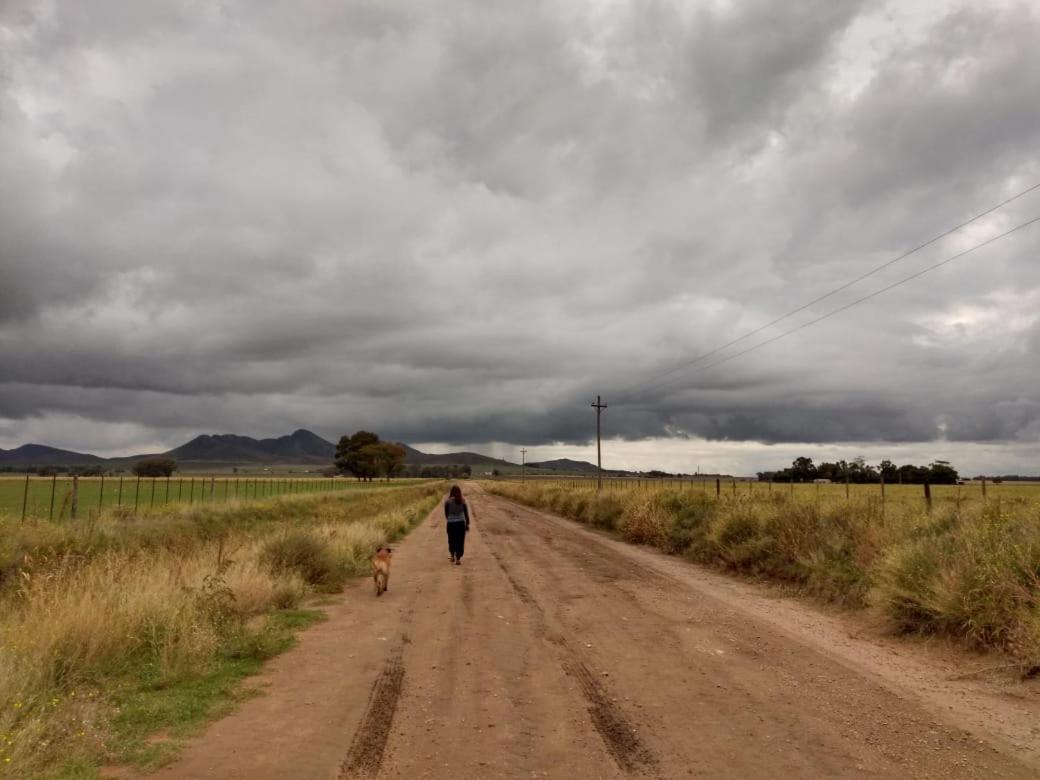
{"x": 978, "y": 578}
{"x": 305, "y": 554}
{"x": 604, "y": 511}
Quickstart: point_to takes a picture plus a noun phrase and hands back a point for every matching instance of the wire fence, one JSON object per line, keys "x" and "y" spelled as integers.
{"x": 731, "y": 487}
{"x": 57, "y": 498}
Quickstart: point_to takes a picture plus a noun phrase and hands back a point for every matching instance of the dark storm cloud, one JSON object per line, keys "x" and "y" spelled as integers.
{"x": 458, "y": 222}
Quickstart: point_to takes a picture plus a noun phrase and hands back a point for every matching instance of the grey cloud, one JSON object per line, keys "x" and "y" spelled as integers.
{"x": 458, "y": 222}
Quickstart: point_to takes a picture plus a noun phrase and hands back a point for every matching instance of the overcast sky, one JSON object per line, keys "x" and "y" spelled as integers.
{"x": 457, "y": 222}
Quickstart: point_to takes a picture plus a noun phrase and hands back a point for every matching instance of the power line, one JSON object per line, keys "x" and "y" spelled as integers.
{"x": 856, "y": 302}
{"x": 624, "y": 391}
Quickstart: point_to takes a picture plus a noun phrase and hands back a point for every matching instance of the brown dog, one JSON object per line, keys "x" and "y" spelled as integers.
{"x": 381, "y": 569}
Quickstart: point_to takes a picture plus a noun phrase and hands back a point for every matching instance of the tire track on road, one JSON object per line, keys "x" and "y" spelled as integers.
{"x": 620, "y": 738}
{"x": 368, "y": 746}
{"x": 369, "y": 743}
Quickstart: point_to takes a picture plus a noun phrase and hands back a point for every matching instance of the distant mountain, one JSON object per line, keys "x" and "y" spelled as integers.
{"x": 226, "y": 449}
{"x": 566, "y": 464}
{"x": 42, "y": 455}
{"x": 475, "y": 460}
{"x": 300, "y": 446}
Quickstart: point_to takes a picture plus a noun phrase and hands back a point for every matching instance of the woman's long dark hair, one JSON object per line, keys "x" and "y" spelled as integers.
{"x": 456, "y": 494}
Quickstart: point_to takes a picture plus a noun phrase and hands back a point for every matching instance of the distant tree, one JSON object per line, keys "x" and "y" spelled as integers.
{"x": 154, "y": 467}
{"x": 942, "y": 473}
{"x": 888, "y": 470}
{"x": 355, "y": 455}
{"x": 387, "y": 457}
{"x": 803, "y": 470}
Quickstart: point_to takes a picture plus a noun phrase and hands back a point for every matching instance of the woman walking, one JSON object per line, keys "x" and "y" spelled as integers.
{"x": 456, "y": 513}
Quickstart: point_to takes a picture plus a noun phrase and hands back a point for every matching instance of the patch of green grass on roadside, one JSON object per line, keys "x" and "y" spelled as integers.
{"x": 146, "y": 707}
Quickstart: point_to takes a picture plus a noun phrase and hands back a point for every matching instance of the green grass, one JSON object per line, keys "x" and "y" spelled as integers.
{"x": 147, "y": 706}
{"x": 144, "y": 495}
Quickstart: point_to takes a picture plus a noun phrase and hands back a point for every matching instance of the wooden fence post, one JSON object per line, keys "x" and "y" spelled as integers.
{"x": 25, "y": 495}
{"x": 882, "y": 488}
{"x": 75, "y": 496}
{"x": 54, "y": 486}
{"x": 119, "y": 496}
{"x": 101, "y": 495}
{"x": 191, "y": 491}
{"x": 928, "y": 495}
{"x": 983, "y": 489}
{"x": 137, "y": 494}
{"x": 718, "y": 488}
{"x": 151, "y": 500}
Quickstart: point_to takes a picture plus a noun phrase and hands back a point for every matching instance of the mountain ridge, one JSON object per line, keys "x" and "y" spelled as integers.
{"x": 564, "y": 464}
{"x": 227, "y": 449}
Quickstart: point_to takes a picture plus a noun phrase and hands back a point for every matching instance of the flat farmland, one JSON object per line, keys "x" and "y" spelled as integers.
{"x": 972, "y": 493}
{"x": 52, "y": 497}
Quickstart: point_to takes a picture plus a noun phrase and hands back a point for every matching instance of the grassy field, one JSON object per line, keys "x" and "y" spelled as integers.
{"x": 942, "y": 495}
{"x": 51, "y": 497}
{"x": 126, "y": 625}
{"x": 967, "y": 567}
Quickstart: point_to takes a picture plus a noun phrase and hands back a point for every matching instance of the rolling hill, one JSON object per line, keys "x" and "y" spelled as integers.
{"x": 42, "y": 455}
{"x": 301, "y": 447}
{"x": 474, "y": 460}
{"x": 565, "y": 464}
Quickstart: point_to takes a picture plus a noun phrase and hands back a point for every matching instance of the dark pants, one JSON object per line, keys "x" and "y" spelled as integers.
{"x": 456, "y": 538}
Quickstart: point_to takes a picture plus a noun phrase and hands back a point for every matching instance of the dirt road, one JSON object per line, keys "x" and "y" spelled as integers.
{"x": 556, "y": 652}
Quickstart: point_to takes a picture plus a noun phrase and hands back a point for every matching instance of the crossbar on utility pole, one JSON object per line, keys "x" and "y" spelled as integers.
{"x": 599, "y": 406}
{"x": 523, "y": 464}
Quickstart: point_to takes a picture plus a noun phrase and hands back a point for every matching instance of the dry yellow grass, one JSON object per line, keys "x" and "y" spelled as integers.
{"x": 969, "y": 569}
{"x": 91, "y": 612}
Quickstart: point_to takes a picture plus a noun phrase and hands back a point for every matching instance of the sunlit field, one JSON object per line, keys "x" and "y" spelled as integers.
{"x": 52, "y": 497}
{"x": 123, "y": 624}
{"x": 965, "y": 564}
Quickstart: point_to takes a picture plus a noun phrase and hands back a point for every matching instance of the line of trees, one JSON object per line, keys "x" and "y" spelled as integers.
{"x": 364, "y": 456}
{"x": 447, "y": 471}
{"x": 154, "y": 467}
{"x": 858, "y": 471}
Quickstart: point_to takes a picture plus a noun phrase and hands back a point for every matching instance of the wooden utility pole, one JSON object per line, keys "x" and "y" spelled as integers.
{"x": 523, "y": 464}
{"x": 599, "y": 406}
